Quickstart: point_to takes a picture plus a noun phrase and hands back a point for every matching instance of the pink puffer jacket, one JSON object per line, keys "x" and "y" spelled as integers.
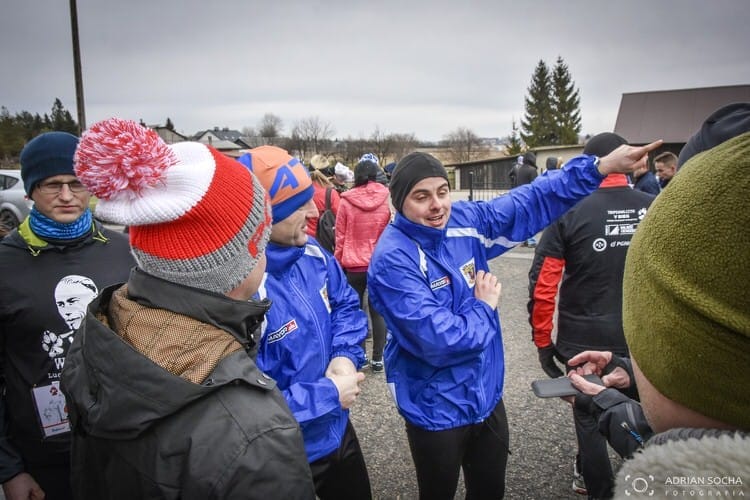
{"x": 364, "y": 212}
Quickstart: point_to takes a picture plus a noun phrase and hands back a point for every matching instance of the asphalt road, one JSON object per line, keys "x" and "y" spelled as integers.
{"x": 542, "y": 435}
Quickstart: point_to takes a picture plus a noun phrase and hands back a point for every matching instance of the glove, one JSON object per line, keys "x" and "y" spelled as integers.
{"x": 585, "y": 403}
{"x": 547, "y": 357}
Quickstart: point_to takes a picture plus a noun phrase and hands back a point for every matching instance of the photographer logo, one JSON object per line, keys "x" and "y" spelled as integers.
{"x": 639, "y": 485}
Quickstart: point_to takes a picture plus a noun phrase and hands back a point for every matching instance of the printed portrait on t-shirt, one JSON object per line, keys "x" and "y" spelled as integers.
{"x": 73, "y": 294}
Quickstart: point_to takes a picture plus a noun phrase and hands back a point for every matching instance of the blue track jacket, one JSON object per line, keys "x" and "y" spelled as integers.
{"x": 314, "y": 317}
{"x": 444, "y": 354}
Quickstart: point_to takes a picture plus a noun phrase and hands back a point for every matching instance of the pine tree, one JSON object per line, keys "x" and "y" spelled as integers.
{"x": 169, "y": 125}
{"x": 61, "y": 119}
{"x": 565, "y": 105}
{"x": 537, "y": 124}
{"x": 514, "y": 146}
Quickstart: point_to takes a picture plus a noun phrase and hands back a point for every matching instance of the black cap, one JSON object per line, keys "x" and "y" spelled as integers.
{"x": 723, "y": 124}
{"x": 603, "y": 144}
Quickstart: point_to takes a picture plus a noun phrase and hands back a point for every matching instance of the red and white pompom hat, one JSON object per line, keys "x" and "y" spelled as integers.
{"x": 195, "y": 216}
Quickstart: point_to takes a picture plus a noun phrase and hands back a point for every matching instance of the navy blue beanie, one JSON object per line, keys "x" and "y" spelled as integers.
{"x": 723, "y": 124}
{"x": 413, "y": 168}
{"x": 47, "y": 155}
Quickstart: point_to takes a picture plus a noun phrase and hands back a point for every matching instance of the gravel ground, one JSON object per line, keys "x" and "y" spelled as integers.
{"x": 541, "y": 431}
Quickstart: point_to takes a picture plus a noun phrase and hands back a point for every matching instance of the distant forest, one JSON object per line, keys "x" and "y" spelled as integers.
{"x": 16, "y": 130}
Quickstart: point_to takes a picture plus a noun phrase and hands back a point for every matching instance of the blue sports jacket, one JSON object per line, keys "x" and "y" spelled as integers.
{"x": 314, "y": 317}
{"x": 444, "y": 354}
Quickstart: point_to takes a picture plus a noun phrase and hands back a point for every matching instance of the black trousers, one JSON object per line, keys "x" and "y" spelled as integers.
{"x": 342, "y": 475}
{"x": 595, "y": 466}
{"x": 593, "y": 455}
{"x": 53, "y": 479}
{"x": 480, "y": 449}
{"x": 358, "y": 281}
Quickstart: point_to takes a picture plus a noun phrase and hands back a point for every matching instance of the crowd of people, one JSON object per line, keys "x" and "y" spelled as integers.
{"x": 216, "y": 350}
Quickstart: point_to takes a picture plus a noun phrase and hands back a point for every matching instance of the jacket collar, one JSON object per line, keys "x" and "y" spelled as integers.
{"x": 24, "y": 237}
{"x": 614, "y": 180}
{"x": 237, "y": 317}
{"x": 280, "y": 259}
{"x": 119, "y": 394}
{"x": 426, "y": 237}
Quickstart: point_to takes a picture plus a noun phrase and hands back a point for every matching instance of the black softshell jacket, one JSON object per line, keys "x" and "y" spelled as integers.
{"x": 142, "y": 432}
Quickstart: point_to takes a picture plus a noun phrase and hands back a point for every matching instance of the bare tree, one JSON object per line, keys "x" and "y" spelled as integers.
{"x": 463, "y": 143}
{"x": 380, "y": 144}
{"x": 402, "y": 145}
{"x": 251, "y": 137}
{"x": 349, "y": 150}
{"x": 270, "y": 127}
{"x": 388, "y": 147}
{"x": 311, "y": 135}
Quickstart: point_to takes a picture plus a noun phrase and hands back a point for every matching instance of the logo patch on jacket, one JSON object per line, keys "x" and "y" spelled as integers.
{"x": 282, "y": 332}
{"x": 440, "y": 283}
{"x": 469, "y": 272}
{"x": 324, "y": 296}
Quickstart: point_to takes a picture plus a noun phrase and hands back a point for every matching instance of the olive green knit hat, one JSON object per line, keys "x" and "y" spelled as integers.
{"x": 686, "y": 297}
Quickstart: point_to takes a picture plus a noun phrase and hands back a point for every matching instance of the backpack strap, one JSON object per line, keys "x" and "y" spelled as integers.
{"x": 328, "y": 198}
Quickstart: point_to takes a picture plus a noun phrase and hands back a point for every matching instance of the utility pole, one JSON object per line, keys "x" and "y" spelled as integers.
{"x": 77, "y": 66}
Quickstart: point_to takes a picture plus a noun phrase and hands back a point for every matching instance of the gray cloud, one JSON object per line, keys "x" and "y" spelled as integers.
{"x": 417, "y": 66}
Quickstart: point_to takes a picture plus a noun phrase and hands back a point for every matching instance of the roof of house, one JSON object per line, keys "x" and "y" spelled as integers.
{"x": 224, "y": 134}
{"x": 672, "y": 115}
{"x": 221, "y": 145}
{"x": 164, "y": 132}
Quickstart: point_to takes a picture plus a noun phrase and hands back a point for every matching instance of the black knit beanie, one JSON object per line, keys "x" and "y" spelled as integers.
{"x": 723, "y": 124}
{"x": 413, "y": 168}
{"x": 364, "y": 172}
{"x": 529, "y": 158}
{"x": 603, "y": 144}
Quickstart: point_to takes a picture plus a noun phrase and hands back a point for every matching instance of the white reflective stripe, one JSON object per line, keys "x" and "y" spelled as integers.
{"x": 314, "y": 251}
{"x": 471, "y": 232}
{"x": 262, "y": 294}
{"x": 422, "y": 261}
{"x": 392, "y": 390}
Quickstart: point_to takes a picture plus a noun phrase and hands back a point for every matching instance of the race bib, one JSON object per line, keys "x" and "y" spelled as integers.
{"x": 51, "y": 408}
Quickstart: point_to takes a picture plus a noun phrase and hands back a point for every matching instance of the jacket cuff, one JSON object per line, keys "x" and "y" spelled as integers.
{"x": 8, "y": 473}
{"x": 358, "y": 361}
{"x": 609, "y": 397}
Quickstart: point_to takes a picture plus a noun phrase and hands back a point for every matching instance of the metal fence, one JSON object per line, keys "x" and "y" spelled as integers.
{"x": 482, "y": 188}
{"x": 486, "y": 179}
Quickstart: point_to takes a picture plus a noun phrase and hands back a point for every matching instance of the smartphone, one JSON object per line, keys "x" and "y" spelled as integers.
{"x": 558, "y": 387}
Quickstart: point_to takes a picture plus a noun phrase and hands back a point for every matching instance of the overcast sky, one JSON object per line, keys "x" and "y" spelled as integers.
{"x": 403, "y": 66}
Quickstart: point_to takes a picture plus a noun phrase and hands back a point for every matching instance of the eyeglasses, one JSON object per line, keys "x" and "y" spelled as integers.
{"x": 56, "y": 187}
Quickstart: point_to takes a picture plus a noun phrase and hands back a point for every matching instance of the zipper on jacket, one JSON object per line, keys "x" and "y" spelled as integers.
{"x": 456, "y": 276}
{"x": 318, "y": 329}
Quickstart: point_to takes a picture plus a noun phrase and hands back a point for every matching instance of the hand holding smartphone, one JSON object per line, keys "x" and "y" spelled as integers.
{"x": 559, "y": 387}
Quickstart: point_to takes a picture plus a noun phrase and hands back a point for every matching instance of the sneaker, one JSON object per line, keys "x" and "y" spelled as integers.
{"x": 377, "y": 366}
{"x": 579, "y": 485}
